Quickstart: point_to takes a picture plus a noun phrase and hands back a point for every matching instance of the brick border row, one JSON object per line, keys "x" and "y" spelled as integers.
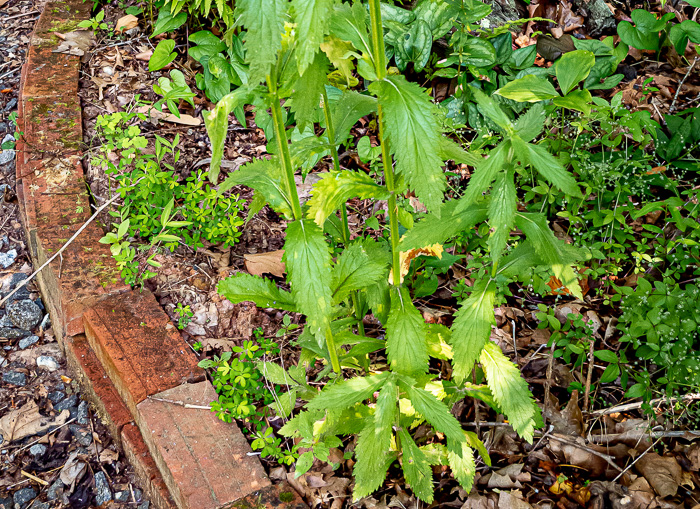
{"x": 128, "y": 357}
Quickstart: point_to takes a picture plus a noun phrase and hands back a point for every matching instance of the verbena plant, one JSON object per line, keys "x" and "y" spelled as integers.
{"x": 381, "y": 404}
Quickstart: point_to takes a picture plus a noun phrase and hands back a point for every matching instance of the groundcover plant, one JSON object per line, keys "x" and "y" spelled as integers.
{"x": 335, "y": 280}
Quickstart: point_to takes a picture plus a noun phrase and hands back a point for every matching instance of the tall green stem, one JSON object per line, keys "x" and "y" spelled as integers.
{"x": 283, "y": 147}
{"x": 286, "y": 158}
{"x": 380, "y": 70}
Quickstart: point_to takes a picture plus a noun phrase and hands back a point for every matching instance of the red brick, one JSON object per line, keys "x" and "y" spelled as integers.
{"x": 145, "y": 468}
{"x": 45, "y": 72}
{"x": 279, "y": 496}
{"x": 204, "y": 461}
{"x": 141, "y": 350}
{"x": 84, "y": 273}
{"x": 96, "y": 385}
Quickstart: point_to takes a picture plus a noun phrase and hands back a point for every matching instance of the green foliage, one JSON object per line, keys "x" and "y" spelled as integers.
{"x": 163, "y": 55}
{"x": 95, "y": 23}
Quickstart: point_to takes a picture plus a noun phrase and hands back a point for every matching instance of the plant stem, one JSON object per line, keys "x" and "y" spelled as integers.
{"x": 380, "y": 70}
{"x": 283, "y": 146}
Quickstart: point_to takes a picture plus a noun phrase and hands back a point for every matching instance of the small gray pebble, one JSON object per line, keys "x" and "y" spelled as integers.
{"x": 68, "y": 402}
{"x": 24, "y": 496}
{"x": 121, "y": 496}
{"x": 11, "y": 104}
{"x": 28, "y": 341}
{"x": 48, "y": 362}
{"x": 56, "y": 396}
{"x": 53, "y": 492}
{"x": 46, "y": 322}
{"x": 7, "y": 259}
{"x": 6, "y": 156}
{"x": 83, "y": 413}
{"x": 24, "y": 314}
{"x": 15, "y": 378}
{"x": 41, "y": 505}
{"x": 37, "y": 450}
{"x": 104, "y": 494}
{"x": 145, "y": 505}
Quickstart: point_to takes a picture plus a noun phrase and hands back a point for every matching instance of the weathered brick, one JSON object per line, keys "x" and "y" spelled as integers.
{"x": 141, "y": 350}
{"x": 279, "y": 496}
{"x": 84, "y": 274}
{"x": 96, "y": 385}
{"x": 204, "y": 461}
{"x": 145, "y": 468}
{"x": 50, "y": 127}
{"x": 46, "y": 72}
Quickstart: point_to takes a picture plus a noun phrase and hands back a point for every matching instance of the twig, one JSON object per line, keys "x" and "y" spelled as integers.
{"x": 622, "y": 472}
{"x": 633, "y": 406}
{"x": 20, "y": 15}
{"x": 34, "y": 478}
{"x": 589, "y": 377}
{"x": 602, "y": 439}
{"x": 52, "y": 431}
{"x": 680, "y": 85}
{"x": 181, "y": 403}
{"x": 588, "y": 450}
{"x": 8, "y": 73}
{"x": 548, "y": 383}
{"x": 60, "y": 251}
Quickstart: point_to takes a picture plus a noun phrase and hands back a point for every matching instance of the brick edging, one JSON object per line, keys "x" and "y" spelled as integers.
{"x": 129, "y": 359}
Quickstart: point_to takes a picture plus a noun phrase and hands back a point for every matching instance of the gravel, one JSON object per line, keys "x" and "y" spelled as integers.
{"x": 24, "y": 314}
{"x": 47, "y": 362}
{"x": 37, "y": 450}
{"x": 15, "y": 378}
{"x": 28, "y": 341}
{"x": 104, "y": 494}
{"x": 24, "y": 496}
{"x": 7, "y": 259}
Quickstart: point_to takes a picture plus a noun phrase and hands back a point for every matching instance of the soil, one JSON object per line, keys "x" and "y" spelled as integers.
{"x": 77, "y": 448}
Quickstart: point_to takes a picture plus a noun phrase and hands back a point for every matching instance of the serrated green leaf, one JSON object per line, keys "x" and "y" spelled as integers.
{"x": 275, "y": 373}
{"x": 243, "y": 287}
{"x": 492, "y": 110}
{"x": 572, "y": 68}
{"x": 546, "y": 165}
{"x": 550, "y": 249}
{"x": 312, "y": 18}
{"x": 406, "y": 335}
{"x": 460, "y": 457}
{"x": 308, "y": 90}
{"x": 435, "y": 412}
{"x": 484, "y": 174}
{"x": 354, "y": 270}
{"x": 349, "y": 23}
{"x": 374, "y": 444}
{"x": 264, "y": 24}
{"x": 335, "y": 188}
{"x": 451, "y": 151}
{"x": 472, "y": 327}
{"x": 416, "y": 468}
{"x": 308, "y": 264}
{"x": 530, "y": 125}
{"x": 433, "y": 229}
{"x": 265, "y": 176}
{"x": 502, "y": 210}
{"x": 216, "y": 122}
{"x": 350, "y": 108}
{"x": 413, "y": 134}
{"x": 346, "y": 393}
{"x": 529, "y": 88}
{"x": 510, "y": 390}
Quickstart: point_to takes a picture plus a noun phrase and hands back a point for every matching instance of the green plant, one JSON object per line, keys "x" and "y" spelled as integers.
{"x": 9, "y": 145}
{"x": 199, "y": 212}
{"x": 650, "y": 33}
{"x": 382, "y": 406}
{"x": 185, "y": 315}
{"x": 95, "y": 23}
{"x": 163, "y": 55}
{"x": 172, "y": 91}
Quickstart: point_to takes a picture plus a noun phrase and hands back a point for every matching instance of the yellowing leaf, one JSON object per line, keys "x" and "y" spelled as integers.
{"x": 407, "y": 256}
{"x": 339, "y": 53}
{"x": 265, "y": 263}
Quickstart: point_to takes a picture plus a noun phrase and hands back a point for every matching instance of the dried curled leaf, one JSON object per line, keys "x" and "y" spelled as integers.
{"x": 27, "y": 421}
{"x": 407, "y": 256}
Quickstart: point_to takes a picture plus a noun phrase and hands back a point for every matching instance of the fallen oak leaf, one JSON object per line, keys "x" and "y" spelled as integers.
{"x": 663, "y": 473}
{"x": 126, "y": 23}
{"x": 27, "y": 421}
{"x": 265, "y": 263}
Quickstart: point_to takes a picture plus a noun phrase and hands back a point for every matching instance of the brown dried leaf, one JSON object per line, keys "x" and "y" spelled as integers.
{"x": 108, "y": 456}
{"x": 663, "y": 473}
{"x": 265, "y": 263}
{"x": 27, "y": 421}
{"x": 512, "y": 501}
{"x": 154, "y": 115}
{"x": 126, "y": 23}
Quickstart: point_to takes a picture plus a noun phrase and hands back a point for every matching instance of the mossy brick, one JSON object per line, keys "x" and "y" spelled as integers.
{"x": 145, "y": 467}
{"x": 278, "y": 496}
{"x": 46, "y": 72}
{"x": 53, "y": 191}
{"x": 50, "y": 127}
{"x": 141, "y": 350}
{"x": 81, "y": 276}
{"x": 96, "y": 385}
{"x": 204, "y": 461}
{"x": 61, "y": 17}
